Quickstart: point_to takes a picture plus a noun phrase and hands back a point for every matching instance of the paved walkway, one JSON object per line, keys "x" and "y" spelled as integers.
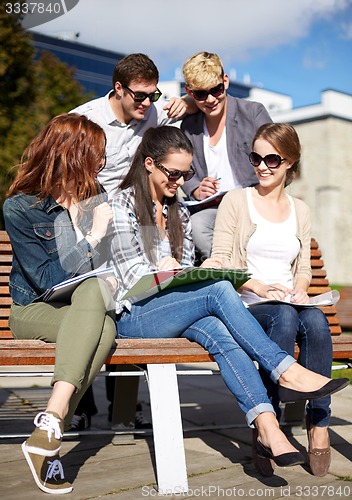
{"x": 218, "y": 457}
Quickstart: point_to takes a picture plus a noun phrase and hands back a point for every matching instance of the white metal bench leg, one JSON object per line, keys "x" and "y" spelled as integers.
{"x": 167, "y": 429}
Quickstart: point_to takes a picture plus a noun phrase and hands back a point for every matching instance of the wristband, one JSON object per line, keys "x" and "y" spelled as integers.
{"x": 98, "y": 240}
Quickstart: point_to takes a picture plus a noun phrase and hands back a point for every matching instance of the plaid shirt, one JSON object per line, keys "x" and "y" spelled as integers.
{"x": 129, "y": 259}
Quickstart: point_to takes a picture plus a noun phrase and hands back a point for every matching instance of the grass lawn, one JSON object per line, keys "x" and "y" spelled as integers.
{"x": 342, "y": 373}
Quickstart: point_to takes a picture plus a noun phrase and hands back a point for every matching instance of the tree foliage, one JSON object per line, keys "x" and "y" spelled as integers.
{"x": 32, "y": 91}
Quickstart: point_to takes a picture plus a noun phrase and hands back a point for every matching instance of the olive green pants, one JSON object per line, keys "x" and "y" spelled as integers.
{"x": 84, "y": 332}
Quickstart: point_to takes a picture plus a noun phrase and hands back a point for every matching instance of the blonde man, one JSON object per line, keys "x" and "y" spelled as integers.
{"x": 221, "y": 133}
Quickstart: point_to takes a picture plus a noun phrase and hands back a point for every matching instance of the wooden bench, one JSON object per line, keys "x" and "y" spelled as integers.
{"x": 160, "y": 357}
{"x": 344, "y": 308}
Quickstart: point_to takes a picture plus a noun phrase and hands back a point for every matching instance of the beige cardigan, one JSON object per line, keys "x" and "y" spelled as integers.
{"x": 233, "y": 228}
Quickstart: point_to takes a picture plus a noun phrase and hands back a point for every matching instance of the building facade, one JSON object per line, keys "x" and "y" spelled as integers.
{"x": 325, "y": 178}
{"x": 93, "y": 67}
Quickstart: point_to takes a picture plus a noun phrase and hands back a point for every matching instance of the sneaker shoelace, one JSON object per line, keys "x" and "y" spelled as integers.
{"x": 48, "y": 422}
{"x": 55, "y": 468}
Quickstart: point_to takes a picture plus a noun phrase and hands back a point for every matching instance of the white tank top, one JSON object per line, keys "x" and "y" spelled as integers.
{"x": 271, "y": 249}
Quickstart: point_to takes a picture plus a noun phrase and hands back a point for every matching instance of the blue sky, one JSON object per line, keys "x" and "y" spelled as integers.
{"x": 297, "y": 48}
{"x": 306, "y": 66}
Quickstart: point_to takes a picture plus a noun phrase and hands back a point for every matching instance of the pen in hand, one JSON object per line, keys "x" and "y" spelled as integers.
{"x": 216, "y": 183}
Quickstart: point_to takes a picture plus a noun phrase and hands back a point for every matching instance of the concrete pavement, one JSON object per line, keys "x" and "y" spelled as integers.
{"x": 218, "y": 455}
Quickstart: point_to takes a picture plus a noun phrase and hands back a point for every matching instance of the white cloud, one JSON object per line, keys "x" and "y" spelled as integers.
{"x": 316, "y": 58}
{"x": 346, "y": 29}
{"x": 169, "y": 32}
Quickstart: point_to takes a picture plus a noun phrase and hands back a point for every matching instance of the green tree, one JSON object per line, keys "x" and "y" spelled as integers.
{"x": 32, "y": 91}
{"x": 16, "y": 76}
{"x": 16, "y": 89}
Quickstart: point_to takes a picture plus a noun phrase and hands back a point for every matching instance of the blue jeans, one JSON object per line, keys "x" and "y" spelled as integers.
{"x": 212, "y": 314}
{"x": 285, "y": 325}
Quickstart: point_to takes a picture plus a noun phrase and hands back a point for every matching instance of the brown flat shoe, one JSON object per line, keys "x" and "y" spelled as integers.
{"x": 319, "y": 458}
{"x": 265, "y": 466}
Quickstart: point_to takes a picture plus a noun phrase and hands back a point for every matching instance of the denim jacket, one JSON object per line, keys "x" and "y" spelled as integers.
{"x": 44, "y": 245}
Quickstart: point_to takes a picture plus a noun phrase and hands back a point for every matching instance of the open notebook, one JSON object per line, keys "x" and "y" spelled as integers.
{"x": 63, "y": 291}
{"x": 324, "y": 299}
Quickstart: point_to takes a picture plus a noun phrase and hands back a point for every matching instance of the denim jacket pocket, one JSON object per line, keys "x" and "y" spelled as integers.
{"x": 48, "y": 234}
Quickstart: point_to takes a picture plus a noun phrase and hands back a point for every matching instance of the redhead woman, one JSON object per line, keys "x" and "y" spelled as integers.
{"x": 57, "y": 218}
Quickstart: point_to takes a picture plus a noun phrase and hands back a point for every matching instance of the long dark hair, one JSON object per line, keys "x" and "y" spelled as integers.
{"x": 70, "y": 147}
{"x": 157, "y": 143}
{"x": 284, "y": 138}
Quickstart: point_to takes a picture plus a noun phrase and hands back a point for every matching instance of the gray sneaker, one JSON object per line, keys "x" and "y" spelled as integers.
{"x": 47, "y": 472}
{"x": 46, "y": 439}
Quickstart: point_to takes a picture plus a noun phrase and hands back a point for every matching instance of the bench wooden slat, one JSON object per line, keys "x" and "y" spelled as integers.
{"x": 315, "y": 290}
{"x": 318, "y": 273}
{"x": 6, "y": 334}
{"x": 316, "y": 263}
{"x": 342, "y": 346}
{"x": 332, "y": 320}
{"x": 344, "y": 308}
{"x": 319, "y": 282}
{"x": 134, "y": 351}
{"x": 5, "y": 270}
{"x": 315, "y": 253}
{"x": 5, "y": 301}
{"x": 336, "y": 330}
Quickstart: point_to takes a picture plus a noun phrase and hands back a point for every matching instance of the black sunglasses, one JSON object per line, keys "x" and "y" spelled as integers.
{"x": 142, "y": 96}
{"x": 202, "y": 95}
{"x": 271, "y": 161}
{"x": 175, "y": 175}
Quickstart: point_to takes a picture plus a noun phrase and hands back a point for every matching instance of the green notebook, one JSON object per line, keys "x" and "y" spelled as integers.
{"x": 156, "y": 281}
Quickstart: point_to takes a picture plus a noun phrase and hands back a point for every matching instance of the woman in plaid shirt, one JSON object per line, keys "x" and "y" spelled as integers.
{"x": 153, "y": 232}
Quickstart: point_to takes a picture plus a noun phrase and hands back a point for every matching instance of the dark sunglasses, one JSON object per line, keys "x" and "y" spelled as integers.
{"x": 202, "y": 95}
{"x": 175, "y": 175}
{"x": 271, "y": 161}
{"x": 142, "y": 96}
